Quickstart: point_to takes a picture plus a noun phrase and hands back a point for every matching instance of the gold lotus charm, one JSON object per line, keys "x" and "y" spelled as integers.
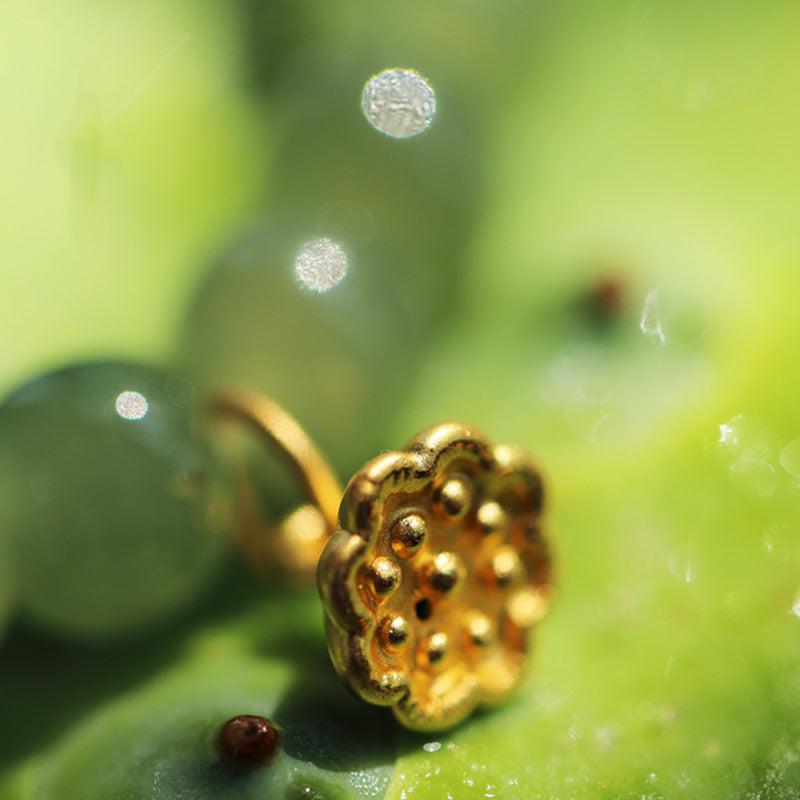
{"x": 439, "y": 571}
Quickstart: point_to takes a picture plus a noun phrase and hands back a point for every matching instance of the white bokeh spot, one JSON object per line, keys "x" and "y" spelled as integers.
{"x": 399, "y": 103}
{"x": 320, "y": 265}
{"x": 132, "y": 405}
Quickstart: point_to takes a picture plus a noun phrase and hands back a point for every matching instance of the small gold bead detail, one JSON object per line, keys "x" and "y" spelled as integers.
{"x": 408, "y": 534}
{"x": 454, "y": 497}
{"x": 385, "y": 576}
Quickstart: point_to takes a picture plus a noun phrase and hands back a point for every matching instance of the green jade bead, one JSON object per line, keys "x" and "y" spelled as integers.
{"x": 114, "y": 502}
{"x": 342, "y": 361}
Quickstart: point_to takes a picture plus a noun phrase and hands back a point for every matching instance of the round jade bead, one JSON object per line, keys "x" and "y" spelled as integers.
{"x": 342, "y": 358}
{"x": 115, "y": 503}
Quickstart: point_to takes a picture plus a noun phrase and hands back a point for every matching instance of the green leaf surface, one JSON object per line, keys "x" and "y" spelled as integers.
{"x": 160, "y": 706}
{"x": 121, "y": 124}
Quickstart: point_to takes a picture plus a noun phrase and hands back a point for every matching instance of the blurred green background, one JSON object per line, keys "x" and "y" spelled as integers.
{"x": 593, "y": 252}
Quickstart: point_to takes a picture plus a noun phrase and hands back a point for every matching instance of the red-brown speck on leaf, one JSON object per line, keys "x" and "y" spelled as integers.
{"x": 606, "y": 298}
{"x": 248, "y": 740}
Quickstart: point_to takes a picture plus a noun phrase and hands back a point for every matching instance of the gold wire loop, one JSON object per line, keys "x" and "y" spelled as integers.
{"x": 302, "y": 534}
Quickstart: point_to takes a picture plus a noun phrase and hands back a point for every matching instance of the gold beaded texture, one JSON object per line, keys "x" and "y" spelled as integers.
{"x": 440, "y": 569}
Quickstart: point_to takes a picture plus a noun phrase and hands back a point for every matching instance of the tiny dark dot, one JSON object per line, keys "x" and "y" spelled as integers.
{"x": 423, "y": 609}
{"x": 248, "y": 740}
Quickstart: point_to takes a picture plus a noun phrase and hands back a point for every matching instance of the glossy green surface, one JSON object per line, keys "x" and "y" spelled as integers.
{"x": 118, "y": 516}
{"x": 8, "y": 583}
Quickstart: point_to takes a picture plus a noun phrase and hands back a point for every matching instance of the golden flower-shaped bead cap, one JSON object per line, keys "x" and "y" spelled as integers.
{"x": 439, "y": 571}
